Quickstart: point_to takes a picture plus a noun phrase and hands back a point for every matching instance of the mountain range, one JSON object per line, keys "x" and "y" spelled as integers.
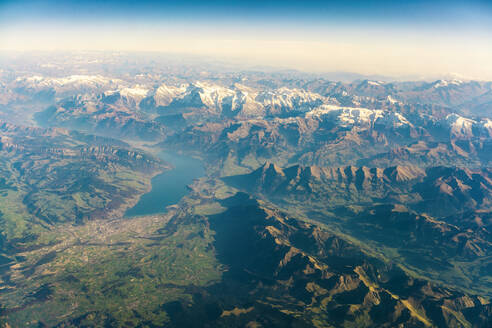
{"x": 323, "y": 204}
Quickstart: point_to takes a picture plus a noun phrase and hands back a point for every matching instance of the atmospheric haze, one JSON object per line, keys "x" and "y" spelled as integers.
{"x": 399, "y": 39}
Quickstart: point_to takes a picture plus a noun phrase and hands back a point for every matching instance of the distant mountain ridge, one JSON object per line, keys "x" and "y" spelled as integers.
{"x": 473, "y": 188}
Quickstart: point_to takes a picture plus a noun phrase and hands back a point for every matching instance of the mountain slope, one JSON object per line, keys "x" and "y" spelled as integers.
{"x": 311, "y": 277}
{"x": 54, "y": 176}
{"x": 432, "y": 220}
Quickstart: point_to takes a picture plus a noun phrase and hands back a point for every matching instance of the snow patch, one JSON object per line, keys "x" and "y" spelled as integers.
{"x": 445, "y": 83}
{"x": 460, "y": 126}
{"x": 358, "y": 116}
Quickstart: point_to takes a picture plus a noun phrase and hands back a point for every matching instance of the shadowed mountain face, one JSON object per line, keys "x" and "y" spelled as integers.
{"x": 433, "y": 218}
{"x": 311, "y": 278}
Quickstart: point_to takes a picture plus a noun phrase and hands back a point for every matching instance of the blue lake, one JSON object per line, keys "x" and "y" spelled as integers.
{"x": 168, "y": 187}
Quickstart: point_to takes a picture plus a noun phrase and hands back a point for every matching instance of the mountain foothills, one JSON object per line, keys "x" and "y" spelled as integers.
{"x": 54, "y": 176}
{"x": 324, "y": 204}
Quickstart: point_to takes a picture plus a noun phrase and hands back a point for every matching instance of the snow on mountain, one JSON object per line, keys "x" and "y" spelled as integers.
{"x": 134, "y": 95}
{"x": 392, "y": 100}
{"x": 131, "y": 96}
{"x": 446, "y": 83}
{"x": 72, "y": 80}
{"x": 69, "y": 85}
{"x": 213, "y": 95}
{"x": 165, "y": 94}
{"x": 237, "y": 100}
{"x": 245, "y": 101}
{"x": 375, "y": 83}
{"x": 251, "y": 102}
{"x": 134, "y": 92}
{"x": 282, "y": 98}
{"x": 355, "y": 116}
{"x": 460, "y": 126}
{"x": 487, "y": 126}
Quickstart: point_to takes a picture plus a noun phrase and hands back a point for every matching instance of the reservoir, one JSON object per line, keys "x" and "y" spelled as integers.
{"x": 170, "y": 186}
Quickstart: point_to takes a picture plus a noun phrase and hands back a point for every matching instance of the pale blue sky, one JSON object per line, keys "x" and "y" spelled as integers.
{"x": 370, "y": 37}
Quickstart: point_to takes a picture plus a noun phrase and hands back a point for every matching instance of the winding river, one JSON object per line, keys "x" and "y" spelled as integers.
{"x": 170, "y": 186}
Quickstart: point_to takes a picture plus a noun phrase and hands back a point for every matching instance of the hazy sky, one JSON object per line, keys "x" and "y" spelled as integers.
{"x": 396, "y": 38}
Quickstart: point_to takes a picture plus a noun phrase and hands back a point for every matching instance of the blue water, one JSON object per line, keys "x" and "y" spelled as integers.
{"x": 168, "y": 187}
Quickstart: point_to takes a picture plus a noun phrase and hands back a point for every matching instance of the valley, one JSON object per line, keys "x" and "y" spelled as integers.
{"x": 175, "y": 198}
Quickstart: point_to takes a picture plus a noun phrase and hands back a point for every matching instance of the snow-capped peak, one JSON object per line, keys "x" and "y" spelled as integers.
{"x": 350, "y": 116}
{"x": 375, "y": 83}
{"x": 459, "y": 125}
{"x": 165, "y": 94}
{"x": 445, "y": 83}
{"x": 392, "y": 100}
{"x": 135, "y": 92}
